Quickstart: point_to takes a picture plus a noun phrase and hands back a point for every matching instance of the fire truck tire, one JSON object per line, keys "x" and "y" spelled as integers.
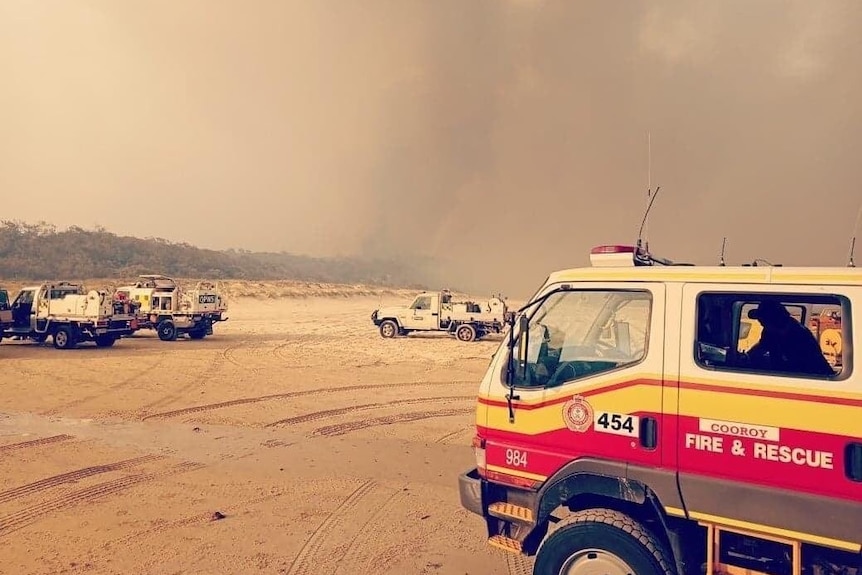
{"x": 167, "y": 330}
{"x": 64, "y": 338}
{"x": 466, "y": 332}
{"x": 602, "y": 541}
{"x": 388, "y": 329}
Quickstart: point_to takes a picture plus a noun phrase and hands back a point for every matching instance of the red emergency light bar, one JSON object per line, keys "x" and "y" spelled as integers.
{"x": 616, "y": 255}
{"x": 613, "y": 249}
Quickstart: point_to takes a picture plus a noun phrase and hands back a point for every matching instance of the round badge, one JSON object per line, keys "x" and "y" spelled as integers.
{"x": 578, "y": 414}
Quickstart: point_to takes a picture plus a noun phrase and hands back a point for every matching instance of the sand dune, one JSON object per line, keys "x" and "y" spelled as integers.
{"x": 255, "y": 289}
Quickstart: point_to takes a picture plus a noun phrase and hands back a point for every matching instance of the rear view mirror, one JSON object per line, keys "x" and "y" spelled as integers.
{"x": 523, "y": 343}
{"x": 517, "y": 348}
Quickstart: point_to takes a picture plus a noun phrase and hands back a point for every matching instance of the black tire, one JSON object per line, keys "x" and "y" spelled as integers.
{"x": 198, "y": 334}
{"x": 167, "y": 330}
{"x": 64, "y": 338}
{"x": 603, "y": 540}
{"x": 388, "y": 329}
{"x": 105, "y": 340}
{"x": 465, "y": 332}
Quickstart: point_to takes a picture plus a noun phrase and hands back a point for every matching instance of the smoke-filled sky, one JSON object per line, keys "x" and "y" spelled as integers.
{"x": 504, "y": 137}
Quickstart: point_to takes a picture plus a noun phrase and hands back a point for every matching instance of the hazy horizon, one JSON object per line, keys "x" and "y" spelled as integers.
{"x": 503, "y": 137}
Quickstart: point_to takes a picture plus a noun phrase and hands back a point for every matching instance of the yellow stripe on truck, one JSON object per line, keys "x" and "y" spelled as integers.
{"x": 550, "y": 417}
{"x": 801, "y": 414}
{"x": 517, "y": 473}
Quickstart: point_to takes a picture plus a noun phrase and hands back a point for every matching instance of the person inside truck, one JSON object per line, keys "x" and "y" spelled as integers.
{"x": 785, "y": 344}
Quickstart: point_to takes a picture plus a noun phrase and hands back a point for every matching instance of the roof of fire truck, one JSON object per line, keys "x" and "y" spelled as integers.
{"x": 635, "y": 263}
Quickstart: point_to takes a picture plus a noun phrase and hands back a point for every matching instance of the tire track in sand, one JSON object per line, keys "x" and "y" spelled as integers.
{"x": 356, "y": 555}
{"x": 228, "y": 356}
{"x": 453, "y": 434}
{"x": 138, "y": 374}
{"x": 217, "y": 361}
{"x": 72, "y": 476}
{"x": 29, "y": 515}
{"x": 289, "y": 490}
{"x": 310, "y": 559}
{"x": 343, "y": 428}
{"x": 366, "y": 406}
{"x": 35, "y": 442}
{"x": 290, "y": 394}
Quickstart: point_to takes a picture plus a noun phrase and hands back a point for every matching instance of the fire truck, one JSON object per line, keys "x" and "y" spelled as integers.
{"x": 625, "y": 427}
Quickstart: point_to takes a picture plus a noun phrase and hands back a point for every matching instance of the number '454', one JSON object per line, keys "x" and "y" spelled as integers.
{"x": 616, "y": 423}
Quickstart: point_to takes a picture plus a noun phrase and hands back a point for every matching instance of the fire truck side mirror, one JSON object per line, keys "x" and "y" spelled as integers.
{"x": 523, "y": 341}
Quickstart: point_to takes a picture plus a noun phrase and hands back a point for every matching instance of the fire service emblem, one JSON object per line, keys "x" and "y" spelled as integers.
{"x": 578, "y": 414}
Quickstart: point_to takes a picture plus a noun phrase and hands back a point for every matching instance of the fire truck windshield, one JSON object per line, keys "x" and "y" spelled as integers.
{"x": 573, "y": 334}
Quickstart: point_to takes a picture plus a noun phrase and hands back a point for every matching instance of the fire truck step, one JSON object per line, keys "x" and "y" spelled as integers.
{"x": 505, "y": 543}
{"x": 511, "y": 512}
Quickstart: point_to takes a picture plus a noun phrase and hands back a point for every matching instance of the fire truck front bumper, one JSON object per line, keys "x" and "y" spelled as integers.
{"x": 471, "y": 491}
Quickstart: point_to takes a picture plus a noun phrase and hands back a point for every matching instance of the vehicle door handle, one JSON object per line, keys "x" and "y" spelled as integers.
{"x": 648, "y": 432}
{"x": 853, "y": 461}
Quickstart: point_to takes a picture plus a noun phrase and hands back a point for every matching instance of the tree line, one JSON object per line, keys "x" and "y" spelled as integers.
{"x": 41, "y": 251}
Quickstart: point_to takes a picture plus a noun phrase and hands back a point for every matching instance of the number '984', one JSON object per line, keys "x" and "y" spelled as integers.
{"x": 516, "y": 458}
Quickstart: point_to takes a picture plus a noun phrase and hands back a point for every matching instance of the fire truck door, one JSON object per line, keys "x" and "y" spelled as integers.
{"x": 793, "y": 437}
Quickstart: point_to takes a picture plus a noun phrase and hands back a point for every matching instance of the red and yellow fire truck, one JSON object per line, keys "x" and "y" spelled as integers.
{"x": 622, "y": 428}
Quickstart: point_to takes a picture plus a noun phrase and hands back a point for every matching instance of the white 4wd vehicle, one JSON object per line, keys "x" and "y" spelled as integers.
{"x": 172, "y": 311}
{"x": 466, "y": 320}
{"x": 70, "y": 315}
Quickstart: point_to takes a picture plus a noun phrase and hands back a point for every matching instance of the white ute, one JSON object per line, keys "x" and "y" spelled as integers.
{"x": 70, "y": 315}
{"x": 172, "y": 311}
{"x": 466, "y": 320}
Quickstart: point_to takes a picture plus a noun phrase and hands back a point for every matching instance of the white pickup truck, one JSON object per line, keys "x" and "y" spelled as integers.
{"x": 70, "y": 315}
{"x": 466, "y": 320}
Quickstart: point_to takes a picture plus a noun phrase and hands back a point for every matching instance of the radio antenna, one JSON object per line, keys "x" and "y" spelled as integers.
{"x": 650, "y": 196}
{"x": 646, "y": 214}
{"x": 851, "y": 264}
{"x": 648, "y": 178}
{"x": 721, "y": 260}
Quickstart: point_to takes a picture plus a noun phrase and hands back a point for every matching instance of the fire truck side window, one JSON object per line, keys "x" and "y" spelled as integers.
{"x": 776, "y": 334}
{"x": 576, "y": 334}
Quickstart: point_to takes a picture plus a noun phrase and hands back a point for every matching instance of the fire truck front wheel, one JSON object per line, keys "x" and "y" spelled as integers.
{"x": 602, "y": 541}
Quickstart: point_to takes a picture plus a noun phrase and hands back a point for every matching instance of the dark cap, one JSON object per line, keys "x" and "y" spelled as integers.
{"x": 769, "y": 311}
